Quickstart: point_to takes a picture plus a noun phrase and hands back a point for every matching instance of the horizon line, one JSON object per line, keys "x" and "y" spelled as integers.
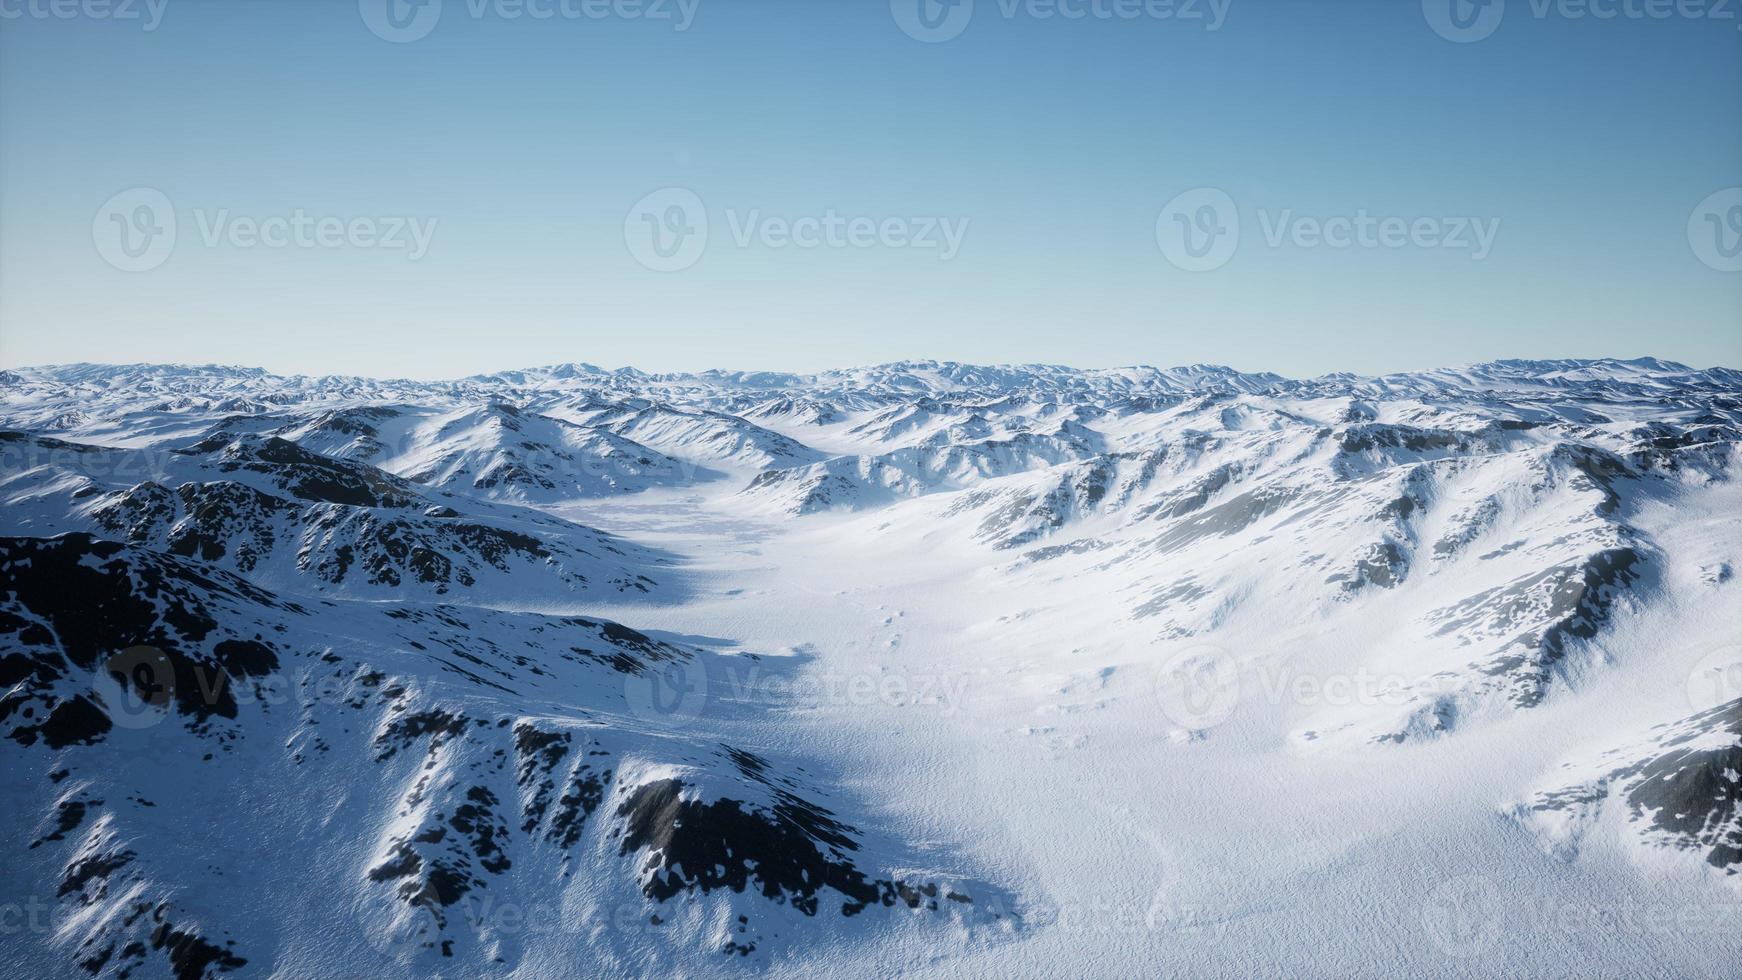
{"x": 630, "y": 370}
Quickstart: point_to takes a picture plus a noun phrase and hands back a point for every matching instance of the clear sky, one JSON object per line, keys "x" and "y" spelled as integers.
{"x": 1544, "y": 174}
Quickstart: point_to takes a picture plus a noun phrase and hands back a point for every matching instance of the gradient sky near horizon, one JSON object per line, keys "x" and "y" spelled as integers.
{"x": 1593, "y": 142}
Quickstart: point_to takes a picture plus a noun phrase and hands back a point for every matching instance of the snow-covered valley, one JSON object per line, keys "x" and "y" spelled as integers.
{"x": 926, "y": 667}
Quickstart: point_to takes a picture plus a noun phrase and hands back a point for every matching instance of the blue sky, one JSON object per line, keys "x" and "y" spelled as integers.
{"x": 525, "y": 150}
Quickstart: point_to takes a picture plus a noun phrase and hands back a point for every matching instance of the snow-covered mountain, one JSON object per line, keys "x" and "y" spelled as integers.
{"x": 925, "y": 666}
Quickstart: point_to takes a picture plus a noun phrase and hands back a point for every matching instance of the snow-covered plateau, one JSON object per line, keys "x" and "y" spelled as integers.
{"x": 923, "y": 668}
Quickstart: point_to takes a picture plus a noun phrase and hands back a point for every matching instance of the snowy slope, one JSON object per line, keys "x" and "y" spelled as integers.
{"x": 930, "y": 667}
{"x": 286, "y": 517}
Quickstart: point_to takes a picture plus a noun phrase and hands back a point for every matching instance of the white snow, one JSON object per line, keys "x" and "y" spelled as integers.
{"x": 1186, "y": 672}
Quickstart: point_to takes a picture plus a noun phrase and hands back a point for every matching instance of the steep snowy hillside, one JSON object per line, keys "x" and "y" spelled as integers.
{"x": 929, "y": 667}
{"x": 501, "y": 452}
{"x": 456, "y": 758}
{"x": 287, "y": 517}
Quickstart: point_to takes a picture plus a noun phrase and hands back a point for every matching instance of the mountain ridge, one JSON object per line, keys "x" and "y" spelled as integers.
{"x": 925, "y": 664}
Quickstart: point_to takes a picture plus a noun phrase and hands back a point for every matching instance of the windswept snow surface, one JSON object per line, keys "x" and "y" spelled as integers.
{"x": 923, "y": 668}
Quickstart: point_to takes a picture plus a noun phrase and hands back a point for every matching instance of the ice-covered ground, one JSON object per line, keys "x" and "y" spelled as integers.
{"x": 1017, "y": 725}
{"x": 925, "y": 668}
